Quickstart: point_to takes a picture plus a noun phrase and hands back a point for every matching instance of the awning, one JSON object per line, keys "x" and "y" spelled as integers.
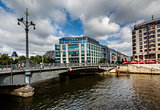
{"x": 133, "y": 62}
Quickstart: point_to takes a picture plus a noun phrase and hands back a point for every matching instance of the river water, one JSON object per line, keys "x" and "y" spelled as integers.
{"x": 134, "y": 92}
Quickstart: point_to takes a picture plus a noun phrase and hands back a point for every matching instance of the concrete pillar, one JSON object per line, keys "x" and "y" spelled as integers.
{"x": 67, "y": 58}
{"x": 85, "y": 53}
{"x": 156, "y": 56}
{"x": 80, "y": 53}
{"x": 144, "y": 58}
{"x": 61, "y": 55}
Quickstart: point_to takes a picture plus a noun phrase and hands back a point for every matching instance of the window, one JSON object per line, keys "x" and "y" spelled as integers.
{"x": 134, "y": 44}
{"x": 140, "y": 43}
{"x": 141, "y": 51}
{"x": 158, "y": 39}
{"x": 145, "y": 50}
{"x": 88, "y": 53}
{"x": 158, "y": 26}
{"x": 88, "y": 46}
{"x": 140, "y": 47}
{"x": 82, "y": 46}
{"x": 73, "y": 47}
{"x": 145, "y": 46}
{"x": 151, "y": 32}
{"x": 64, "y": 58}
{"x": 63, "y": 47}
{"x": 158, "y": 30}
{"x": 152, "y": 36}
{"x": 140, "y": 31}
{"x": 140, "y": 39}
{"x": 145, "y": 42}
{"x": 73, "y": 53}
{"x": 133, "y": 36}
{"x": 140, "y": 35}
{"x": 145, "y": 37}
{"x": 82, "y": 53}
{"x": 151, "y": 27}
{"x": 134, "y": 52}
{"x": 158, "y": 35}
{"x": 57, "y": 54}
{"x": 159, "y": 44}
{"x": 64, "y": 54}
{"x": 145, "y": 33}
{"x": 134, "y": 48}
{"x": 133, "y": 32}
{"x": 57, "y": 47}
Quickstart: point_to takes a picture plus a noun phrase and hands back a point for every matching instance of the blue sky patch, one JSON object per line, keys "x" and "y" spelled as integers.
{"x": 73, "y": 27}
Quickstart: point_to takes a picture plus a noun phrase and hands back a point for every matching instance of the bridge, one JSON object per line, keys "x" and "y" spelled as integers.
{"x": 17, "y": 81}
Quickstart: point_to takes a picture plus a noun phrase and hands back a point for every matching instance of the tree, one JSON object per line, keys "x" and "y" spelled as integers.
{"x": 14, "y": 61}
{"x": 21, "y": 58}
{"x": 5, "y": 60}
{"x": 102, "y": 60}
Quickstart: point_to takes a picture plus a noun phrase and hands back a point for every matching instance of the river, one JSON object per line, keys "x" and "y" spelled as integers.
{"x": 134, "y": 92}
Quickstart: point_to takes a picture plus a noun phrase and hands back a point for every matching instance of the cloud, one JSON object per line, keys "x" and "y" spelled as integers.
{"x": 5, "y": 50}
{"x": 51, "y": 9}
{"x": 124, "y": 41}
{"x": 100, "y": 27}
{"x": 131, "y": 10}
{"x": 109, "y": 21}
{"x": 12, "y": 36}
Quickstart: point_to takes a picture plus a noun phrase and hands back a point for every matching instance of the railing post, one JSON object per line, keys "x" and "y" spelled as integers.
{"x": 11, "y": 78}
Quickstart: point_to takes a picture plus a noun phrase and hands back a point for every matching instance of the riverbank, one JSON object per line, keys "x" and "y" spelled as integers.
{"x": 153, "y": 69}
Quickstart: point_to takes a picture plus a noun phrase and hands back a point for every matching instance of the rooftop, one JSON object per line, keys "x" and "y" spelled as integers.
{"x": 150, "y": 22}
{"x": 77, "y": 40}
{"x": 14, "y": 54}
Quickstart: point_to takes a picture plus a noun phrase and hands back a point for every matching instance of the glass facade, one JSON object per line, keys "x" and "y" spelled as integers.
{"x": 78, "y": 50}
{"x": 73, "y": 47}
{"x": 83, "y": 50}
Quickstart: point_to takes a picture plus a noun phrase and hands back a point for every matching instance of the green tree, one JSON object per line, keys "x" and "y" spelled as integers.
{"x": 21, "y": 58}
{"x": 14, "y": 61}
{"x": 102, "y": 60}
{"x": 38, "y": 59}
{"x": 5, "y": 60}
{"x": 32, "y": 58}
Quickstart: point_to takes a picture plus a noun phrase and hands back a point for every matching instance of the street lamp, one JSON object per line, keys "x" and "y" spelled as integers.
{"x": 26, "y": 24}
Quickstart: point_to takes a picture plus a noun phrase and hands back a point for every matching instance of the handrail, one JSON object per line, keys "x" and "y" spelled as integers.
{"x": 16, "y": 67}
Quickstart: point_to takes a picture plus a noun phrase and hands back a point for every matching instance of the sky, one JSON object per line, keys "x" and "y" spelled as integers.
{"x": 108, "y": 21}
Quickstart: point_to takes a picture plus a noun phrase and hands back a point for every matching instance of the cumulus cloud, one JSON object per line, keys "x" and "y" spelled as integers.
{"x": 124, "y": 41}
{"x": 100, "y": 27}
{"x": 12, "y": 36}
{"x": 105, "y": 20}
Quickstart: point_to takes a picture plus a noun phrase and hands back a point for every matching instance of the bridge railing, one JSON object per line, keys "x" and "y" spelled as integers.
{"x": 16, "y": 67}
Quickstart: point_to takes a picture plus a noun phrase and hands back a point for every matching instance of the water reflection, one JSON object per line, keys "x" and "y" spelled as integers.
{"x": 92, "y": 92}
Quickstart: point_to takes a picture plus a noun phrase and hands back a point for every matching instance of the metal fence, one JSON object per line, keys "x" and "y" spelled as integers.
{"x": 18, "y": 67}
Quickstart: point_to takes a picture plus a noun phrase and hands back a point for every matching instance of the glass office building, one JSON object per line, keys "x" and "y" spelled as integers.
{"x": 78, "y": 50}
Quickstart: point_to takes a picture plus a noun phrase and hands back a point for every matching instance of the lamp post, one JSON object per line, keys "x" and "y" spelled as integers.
{"x": 26, "y": 24}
